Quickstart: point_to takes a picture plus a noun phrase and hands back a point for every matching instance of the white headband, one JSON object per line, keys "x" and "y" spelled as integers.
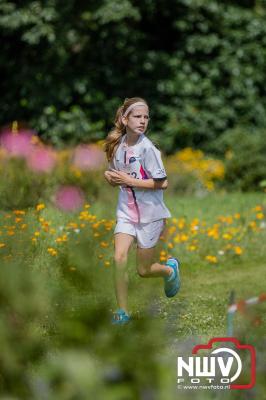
{"x": 138, "y": 103}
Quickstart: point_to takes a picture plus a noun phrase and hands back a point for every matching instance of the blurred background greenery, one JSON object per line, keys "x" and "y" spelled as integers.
{"x": 65, "y": 68}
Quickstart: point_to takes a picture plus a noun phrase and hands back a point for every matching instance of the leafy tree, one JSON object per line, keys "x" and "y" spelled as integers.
{"x": 200, "y": 65}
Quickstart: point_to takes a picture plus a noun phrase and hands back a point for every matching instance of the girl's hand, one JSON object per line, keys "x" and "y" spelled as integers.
{"x": 107, "y": 175}
{"x": 120, "y": 178}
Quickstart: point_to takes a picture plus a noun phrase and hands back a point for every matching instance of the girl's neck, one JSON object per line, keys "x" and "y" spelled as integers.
{"x": 131, "y": 138}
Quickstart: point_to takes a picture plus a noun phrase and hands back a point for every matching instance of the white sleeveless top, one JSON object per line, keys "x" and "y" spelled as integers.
{"x": 142, "y": 161}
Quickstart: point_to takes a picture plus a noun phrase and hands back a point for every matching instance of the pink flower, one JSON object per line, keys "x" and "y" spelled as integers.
{"x": 88, "y": 157}
{"x": 69, "y": 198}
{"x": 41, "y": 159}
{"x": 17, "y": 143}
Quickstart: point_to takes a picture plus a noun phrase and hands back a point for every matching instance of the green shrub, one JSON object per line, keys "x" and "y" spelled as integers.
{"x": 69, "y": 126}
{"x": 200, "y": 64}
{"x": 21, "y": 188}
{"x": 55, "y": 333}
{"x": 245, "y": 153}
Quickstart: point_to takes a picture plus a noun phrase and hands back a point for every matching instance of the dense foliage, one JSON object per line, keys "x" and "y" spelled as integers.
{"x": 245, "y": 151}
{"x": 57, "y": 298}
{"x": 66, "y": 66}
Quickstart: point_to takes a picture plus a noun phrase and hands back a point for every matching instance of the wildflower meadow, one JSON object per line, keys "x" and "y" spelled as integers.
{"x": 56, "y": 248}
{"x": 69, "y": 73}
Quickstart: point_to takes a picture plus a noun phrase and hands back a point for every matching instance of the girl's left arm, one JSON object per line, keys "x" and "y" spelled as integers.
{"x": 123, "y": 179}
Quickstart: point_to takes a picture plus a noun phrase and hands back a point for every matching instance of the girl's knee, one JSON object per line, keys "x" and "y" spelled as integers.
{"x": 142, "y": 272}
{"x": 120, "y": 258}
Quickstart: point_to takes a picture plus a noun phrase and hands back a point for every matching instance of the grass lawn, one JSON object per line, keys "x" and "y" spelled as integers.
{"x": 195, "y": 315}
{"x": 198, "y": 312}
{"x": 200, "y": 306}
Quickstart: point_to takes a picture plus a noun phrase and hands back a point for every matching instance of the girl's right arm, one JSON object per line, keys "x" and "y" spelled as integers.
{"x": 107, "y": 175}
{"x": 109, "y": 179}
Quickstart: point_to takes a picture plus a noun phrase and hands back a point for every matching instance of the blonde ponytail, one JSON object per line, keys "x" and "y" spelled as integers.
{"x": 113, "y": 138}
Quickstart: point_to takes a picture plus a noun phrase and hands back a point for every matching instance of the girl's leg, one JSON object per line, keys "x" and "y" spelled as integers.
{"x": 123, "y": 242}
{"x": 146, "y": 266}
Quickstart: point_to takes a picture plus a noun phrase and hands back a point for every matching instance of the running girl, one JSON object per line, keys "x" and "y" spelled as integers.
{"x": 135, "y": 166}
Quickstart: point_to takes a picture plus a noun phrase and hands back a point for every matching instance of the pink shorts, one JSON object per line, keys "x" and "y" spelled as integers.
{"x": 146, "y": 234}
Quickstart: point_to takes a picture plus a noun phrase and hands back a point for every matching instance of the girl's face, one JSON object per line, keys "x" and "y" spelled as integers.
{"x": 137, "y": 120}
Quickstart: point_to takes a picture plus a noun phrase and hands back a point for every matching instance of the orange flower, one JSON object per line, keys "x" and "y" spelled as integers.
{"x": 183, "y": 237}
{"x": 253, "y": 225}
{"x": 73, "y": 225}
{"x": 214, "y": 232}
{"x": 238, "y": 250}
{"x": 211, "y": 259}
{"x": 227, "y": 236}
{"x": 52, "y": 251}
{"x": 192, "y": 247}
{"x": 181, "y": 223}
{"x": 177, "y": 239}
{"x": 40, "y": 207}
{"x": 18, "y": 212}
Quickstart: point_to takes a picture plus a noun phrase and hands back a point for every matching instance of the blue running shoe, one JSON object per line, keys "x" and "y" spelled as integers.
{"x": 172, "y": 284}
{"x": 120, "y": 317}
